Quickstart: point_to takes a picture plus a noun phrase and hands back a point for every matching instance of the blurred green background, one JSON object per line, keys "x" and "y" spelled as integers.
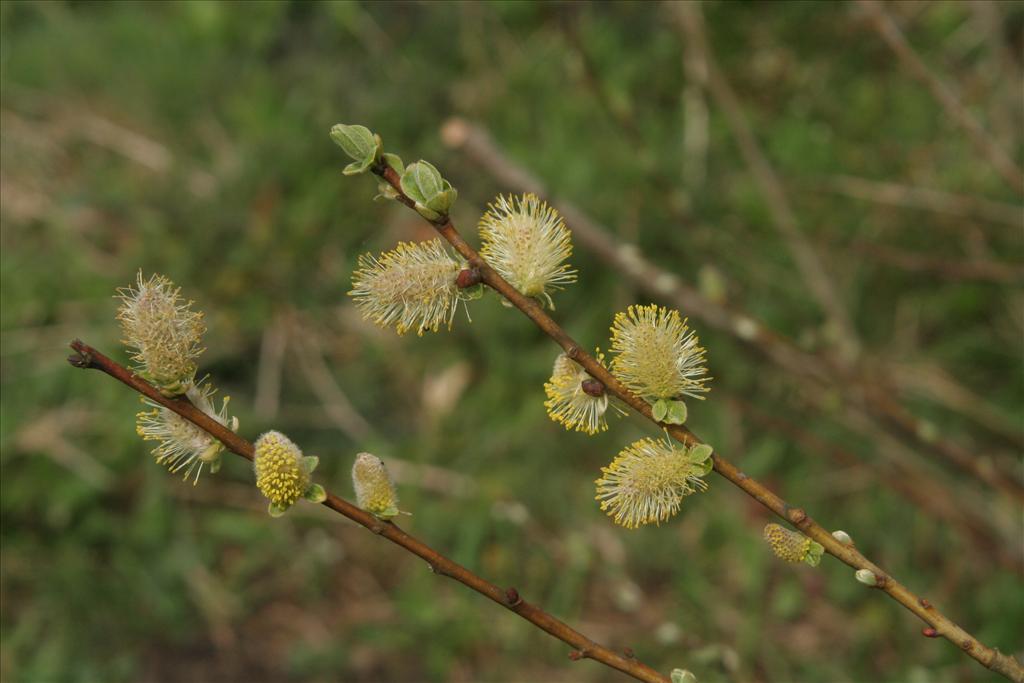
{"x": 190, "y": 139}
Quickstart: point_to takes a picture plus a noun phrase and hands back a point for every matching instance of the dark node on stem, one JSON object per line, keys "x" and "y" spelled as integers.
{"x": 377, "y": 528}
{"x": 967, "y": 646}
{"x": 591, "y": 387}
{"x": 628, "y": 653}
{"x": 575, "y": 655}
{"x": 925, "y": 603}
{"x": 80, "y": 358}
{"x": 512, "y": 597}
{"x": 929, "y": 632}
{"x": 470, "y": 277}
{"x": 573, "y": 352}
{"x": 797, "y": 515}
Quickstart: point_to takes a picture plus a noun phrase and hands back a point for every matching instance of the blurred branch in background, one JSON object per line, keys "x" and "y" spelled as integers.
{"x": 869, "y": 393}
{"x": 808, "y": 262}
{"x": 943, "y": 94}
{"x": 86, "y": 357}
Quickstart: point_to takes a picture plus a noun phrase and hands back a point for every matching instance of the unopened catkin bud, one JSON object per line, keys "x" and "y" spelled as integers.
{"x": 842, "y": 537}
{"x": 867, "y": 577}
{"x": 375, "y": 492}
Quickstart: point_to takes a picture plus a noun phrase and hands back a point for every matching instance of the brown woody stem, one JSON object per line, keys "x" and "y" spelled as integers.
{"x": 87, "y": 357}
{"x": 989, "y": 657}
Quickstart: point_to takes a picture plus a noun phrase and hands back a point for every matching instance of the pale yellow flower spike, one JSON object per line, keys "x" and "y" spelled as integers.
{"x": 656, "y": 355}
{"x": 410, "y": 287}
{"x": 184, "y": 447}
{"x": 526, "y": 241}
{"x": 569, "y": 402}
{"x": 375, "y": 492}
{"x": 280, "y": 475}
{"x": 647, "y": 481}
{"x": 162, "y": 331}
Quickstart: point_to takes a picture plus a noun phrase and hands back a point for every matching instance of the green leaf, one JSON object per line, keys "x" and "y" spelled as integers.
{"x": 395, "y": 162}
{"x": 700, "y": 453}
{"x": 472, "y": 293}
{"x": 429, "y": 214}
{"x": 357, "y": 167}
{"x": 421, "y": 182}
{"x": 813, "y": 556}
{"x": 309, "y": 463}
{"x": 276, "y": 511}
{"x": 315, "y": 494}
{"x": 660, "y": 409}
{"x": 676, "y": 413}
{"x": 443, "y": 200}
{"x": 388, "y": 513}
{"x": 708, "y": 465}
{"x": 357, "y": 141}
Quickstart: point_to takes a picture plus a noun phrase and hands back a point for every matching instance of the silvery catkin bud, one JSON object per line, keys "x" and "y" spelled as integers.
{"x": 375, "y": 492}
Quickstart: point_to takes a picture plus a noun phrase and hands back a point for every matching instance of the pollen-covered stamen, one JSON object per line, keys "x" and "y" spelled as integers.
{"x": 526, "y": 241}
{"x": 411, "y": 287}
{"x": 647, "y": 481}
{"x": 792, "y": 546}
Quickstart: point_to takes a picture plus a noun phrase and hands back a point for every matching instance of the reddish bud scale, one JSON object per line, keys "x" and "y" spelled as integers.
{"x": 469, "y": 277}
{"x": 929, "y": 632}
{"x": 592, "y": 387}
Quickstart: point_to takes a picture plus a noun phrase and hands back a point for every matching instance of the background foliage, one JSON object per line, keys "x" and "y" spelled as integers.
{"x": 190, "y": 139}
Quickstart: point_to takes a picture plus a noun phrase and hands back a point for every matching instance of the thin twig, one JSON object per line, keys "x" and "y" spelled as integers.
{"x": 87, "y": 357}
{"x": 943, "y": 93}
{"x": 867, "y": 392}
{"x": 942, "y": 625}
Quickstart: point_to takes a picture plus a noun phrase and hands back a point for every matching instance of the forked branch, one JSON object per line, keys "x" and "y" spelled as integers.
{"x": 583, "y": 648}
{"x": 938, "y": 623}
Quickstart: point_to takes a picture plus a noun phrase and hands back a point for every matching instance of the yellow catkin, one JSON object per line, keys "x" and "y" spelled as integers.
{"x": 161, "y": 330}
{"x": 412, "y": 287}
{"x": 526, "y": 241}
{"x": 787, "y": 544}
{"x": 280, "y": 475}
{"x": 568, "y": 404}
{"x": 647, "y": 481}
{"x": 182, "y": 446}
{"x": 656, "y": 355}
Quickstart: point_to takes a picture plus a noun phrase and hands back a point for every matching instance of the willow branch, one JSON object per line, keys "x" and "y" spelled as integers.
{"x": 943, "y": 94}
{"x": 867, "y": 393}
{"x": 939, "y": 624}
{"x": 87, "y": 357}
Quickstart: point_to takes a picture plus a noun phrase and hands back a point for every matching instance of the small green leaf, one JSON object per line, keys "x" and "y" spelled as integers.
{"x": 309, "y": 463}
{"x": 357, "y": 167}
{"x": 276, "y": 511}
{"x": 814, "y": 553}
{"x": 676, "y": 413}
{"x": 660, "y": 409}
{"x": 315, "y": 494}
{"x": 443, "y": 200}
{"x": 472, "y": 293}
{"x": 708, "y": 465}
{"x": 357, "y": 141}
{"x": 429, "y": 214}
{"x": 700, "y": 453}
{"x": 215, "y": 466}
{"x": 395, "y": 162}
{"x": 421, "y": 181}
{"x": 388, "y": 513}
